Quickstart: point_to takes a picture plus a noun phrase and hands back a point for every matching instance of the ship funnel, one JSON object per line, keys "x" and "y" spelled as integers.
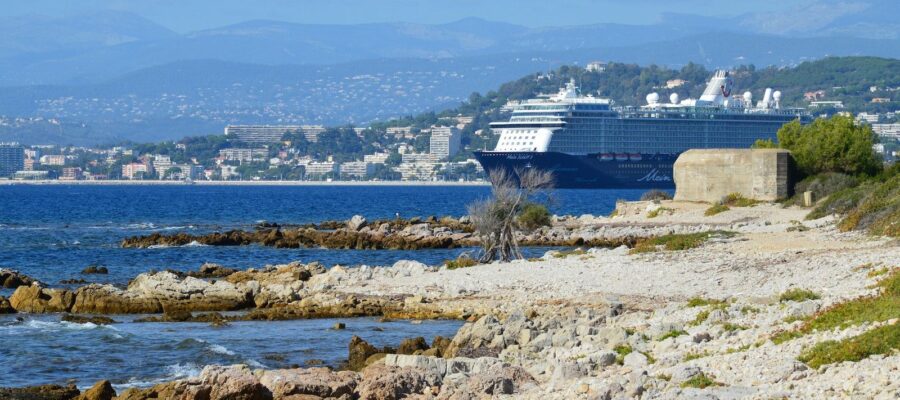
{"x": 673, "y": 98}
{"x": 718, "y": 89}
{"x": 767, "y": 99}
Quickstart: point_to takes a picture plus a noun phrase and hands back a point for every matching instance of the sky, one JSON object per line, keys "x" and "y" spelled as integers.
{"x": 191, "y": 15}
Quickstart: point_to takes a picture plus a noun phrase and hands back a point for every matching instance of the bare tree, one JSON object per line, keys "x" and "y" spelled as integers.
{"x": 494, "y": 219}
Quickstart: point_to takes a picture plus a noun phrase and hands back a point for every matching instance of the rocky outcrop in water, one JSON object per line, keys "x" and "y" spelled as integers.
{"x": 11, "y": 279}
{"x": 43, "y": 392}
{"x": 5, "y": 307}
{"x": 37, "y": 299}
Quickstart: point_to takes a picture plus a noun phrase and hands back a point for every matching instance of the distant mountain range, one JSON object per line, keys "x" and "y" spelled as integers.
{"x": 119, "y": 76}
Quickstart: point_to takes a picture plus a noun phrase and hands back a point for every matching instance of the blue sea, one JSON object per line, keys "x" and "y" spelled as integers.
{"x": 53, "y": 232}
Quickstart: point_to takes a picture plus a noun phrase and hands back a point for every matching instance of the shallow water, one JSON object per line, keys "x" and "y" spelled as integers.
{"x": 53, "y": 232}
{"x": 142, "y": 354}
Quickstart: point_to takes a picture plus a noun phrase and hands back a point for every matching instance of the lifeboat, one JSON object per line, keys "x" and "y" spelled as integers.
{"x": 635, "y": 156}
{"x": 621, "y": 157}
{"x": 606, "y": 157}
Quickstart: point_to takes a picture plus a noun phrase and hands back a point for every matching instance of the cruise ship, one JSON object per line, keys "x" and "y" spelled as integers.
{"x": 587, "y": 142}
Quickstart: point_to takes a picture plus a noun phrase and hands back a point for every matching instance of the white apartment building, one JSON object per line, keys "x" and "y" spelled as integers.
{"x": 419, "y": 158}
{"x": 134, "y": 170}
{"x": 377, "y": 158}
{"x": 417, "y": 171}
{"x": 887, "y": 130}
{"x": 319, "y": 170}
{"x": 445, "y": 141}
{"x": 53, "y": 159}
{"x": 243, "y": 155}
{"x": 356, "y": 169}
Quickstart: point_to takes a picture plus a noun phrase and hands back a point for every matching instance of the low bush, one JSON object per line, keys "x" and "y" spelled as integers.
{"x": 534, "y": 216}
{"x": 700, "y": 381}
{"x": 716, "y": 209}
{"x": 878, "y": 212}
{"x": 655, "y": 213}
{"x": 738, "y": 200}
{"x": 881, "y": 307}
{"x": 461, "y": 262}
{"x": 656, "y": 195}
{"x": 821, "y": 186}
{"x": 881, "y": 340}
{"x": 675, "y": 242}
{"x": 798, "y": 294}
{"x": 701, "y": 302}
{"x": 672, "y": 334}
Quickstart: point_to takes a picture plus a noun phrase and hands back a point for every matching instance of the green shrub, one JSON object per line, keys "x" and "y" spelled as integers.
{"x": 461, "y": 262}
{"x": 566, "y": 253}
{"x": 821, "y": 186}
{"x": 881, "y": 307}
{"x": 716, "y": 209}
{"x": 878, "y": 212}
{"x": 700, "y": 381}
{"x": 672, "y": 334}
{"x": 655, "y": 213}
{"x": 881, "y": 340}
{"x": 701, "y": 302}
{"x": 798, "y": 294}
{"x": 656, "y": 195}
{"x": 534, "y": 216}
{"x": 738, "y": 200}
{"x": 835, "y": 144}
{"x": 675, "y": 242}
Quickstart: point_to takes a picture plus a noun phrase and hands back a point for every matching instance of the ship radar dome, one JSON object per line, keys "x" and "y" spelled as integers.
{"x": 748, "y": 97}
{"x": 653, "y": 98}
{"x": 776, "y": 96}
{"x": 673, "y": 98}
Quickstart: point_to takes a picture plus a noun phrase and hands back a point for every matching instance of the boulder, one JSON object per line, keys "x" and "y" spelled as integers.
{"x": 5, "y": 307}
{"x": 382, "y": 382}
{"x": 356, "y": 223}
{"x": 359, "y": 351}
{"x": 36, "y": 299}
{"x": 319, "y": 382}
{"x": 43, "y": 392}
{"x": 190, "y": 293}
{"x": 635, "y": 360}
{"x": 102, "y": 390}
{"x": 235, "y": 382}
{"x": 94, "y": 269}
{"x": 11, "y": 279}
{"x": 681, "y": 374}
{"x": 81, "y": 319}
{"x": 108, "y": 299}
{"x": 212, "y": 270}
{"x": 412, "y": 345}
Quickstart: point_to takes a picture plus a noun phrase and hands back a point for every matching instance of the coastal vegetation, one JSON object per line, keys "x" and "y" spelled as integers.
{"x": 675, "y": 242}
{"x": 876, "y": 308}
{"x": 497, "y": 219}
{"x": 881, "y": 340}
{"x": 656, "y": 195}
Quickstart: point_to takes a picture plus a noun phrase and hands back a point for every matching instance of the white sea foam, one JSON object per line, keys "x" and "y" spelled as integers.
{"x": 215, "y": 348}
{"x": 195, "y": 243}
{"x": 173, "y": 372}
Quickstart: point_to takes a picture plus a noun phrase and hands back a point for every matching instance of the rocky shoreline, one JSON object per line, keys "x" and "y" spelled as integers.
{"x": 726, "y": 319}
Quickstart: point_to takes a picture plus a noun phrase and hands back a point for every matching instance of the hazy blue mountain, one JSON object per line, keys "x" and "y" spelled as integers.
{"x": 130, "y": 43}
{"x": 21, "y": 36}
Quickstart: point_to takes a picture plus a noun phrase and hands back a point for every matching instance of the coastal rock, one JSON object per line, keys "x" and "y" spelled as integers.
{"x": 36, "y": 299}
{"x": 102, "y": 390}
{"x": 11, "y": 279}
{"x": 81, "y": 319}
{"x": 412, "y": 345}
{"x": 94, "y": 269}
{"x": 43, "y": 392}
{"x": 5, "y": 307}
{"x": 382, "y": 382}
{"x": 211, "y": 270}
{"x": 356, "y": 223}
{"x": 320, "y": 382}
{"x": 107, "y": 299}
{"x": 635, "y": 360}
{"x": 359, "y": 351}
{"x": 190, "y": 293}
